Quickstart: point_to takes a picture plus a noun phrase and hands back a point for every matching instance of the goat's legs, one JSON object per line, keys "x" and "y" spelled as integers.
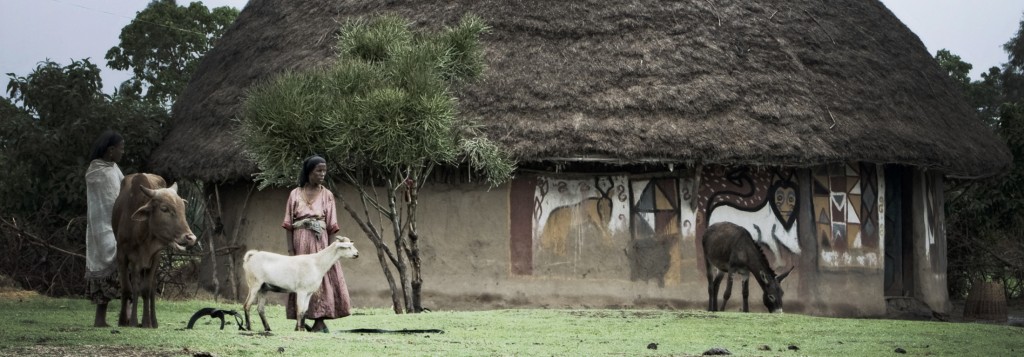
{"x": 248, "y": 304}
{"x": 301, "y": 304}
{"x": 261, "y": 302}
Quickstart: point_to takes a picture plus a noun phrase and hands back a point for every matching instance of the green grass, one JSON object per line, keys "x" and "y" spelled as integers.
{"x": 34, "y": 325}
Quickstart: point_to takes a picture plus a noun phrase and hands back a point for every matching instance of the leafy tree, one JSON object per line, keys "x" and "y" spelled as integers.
{"x": 384, "y": 117}
{"x": 54, "y": 113}
{"x": 957, "y": 69}
{"x": 985, "y": 96}
{"x": 984, "y": 224}
{"x": 49, "y": 125}
{"x": 163, "y": 44}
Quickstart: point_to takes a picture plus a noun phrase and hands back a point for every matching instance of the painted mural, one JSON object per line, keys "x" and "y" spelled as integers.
{"x": 654, "y": 251}
{"x": 934, "y": 230}
{"x": 645, "y": 228}
{"x": 764, "y": 201}
{"x": 847, "y": 203}
{"x": 614, "y": 227}
{"x": 577, "y": 223}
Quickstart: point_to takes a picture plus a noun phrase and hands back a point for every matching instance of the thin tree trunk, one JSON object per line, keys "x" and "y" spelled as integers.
{"x": 417, "y": 279}
{"x": 215, "y": 226}
{"x": 381, "y": 253}
{"x": 395, "y": 301}
{"x": 233, "y": 280}
{"x": 412, "y": 195}
{"x": 400, "y": 247}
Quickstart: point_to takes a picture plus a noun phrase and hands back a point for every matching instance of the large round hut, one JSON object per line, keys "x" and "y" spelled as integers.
{"x": 824, "y": 129}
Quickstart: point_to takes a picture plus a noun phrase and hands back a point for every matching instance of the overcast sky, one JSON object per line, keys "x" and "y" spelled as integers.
{"x": 64, "y": 30}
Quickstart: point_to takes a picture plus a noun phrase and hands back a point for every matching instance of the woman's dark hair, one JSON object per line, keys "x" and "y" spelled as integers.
{"x": 106, "y": 140}
{"x": 308, "y": 166}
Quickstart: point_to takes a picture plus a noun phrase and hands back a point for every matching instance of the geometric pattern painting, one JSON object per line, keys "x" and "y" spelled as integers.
{"x": 846, "y": 200}
{"x": 934, "y": 230}
{"x": 654, "y": 250}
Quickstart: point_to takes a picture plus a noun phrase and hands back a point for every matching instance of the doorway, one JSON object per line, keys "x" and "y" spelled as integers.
{"x": 899, "y": 248}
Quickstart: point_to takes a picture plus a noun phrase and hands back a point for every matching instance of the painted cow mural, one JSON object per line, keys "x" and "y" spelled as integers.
{"x": 575, "y": 223}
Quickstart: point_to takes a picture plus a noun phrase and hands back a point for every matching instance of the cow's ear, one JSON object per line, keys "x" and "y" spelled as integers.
{"x": 142, "y": 213}
{"x": 174, "y": 188}
{"x": 149, "y": 193}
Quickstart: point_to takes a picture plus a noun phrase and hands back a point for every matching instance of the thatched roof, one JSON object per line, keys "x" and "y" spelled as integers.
{"x": 796, "y": 83}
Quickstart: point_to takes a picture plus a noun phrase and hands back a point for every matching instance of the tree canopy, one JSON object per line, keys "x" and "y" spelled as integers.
{"x": 163, "y": 44}
{"x": 385, "y": 104}
{"x": 984, "y": 223}
{"x": 54, "y": 114}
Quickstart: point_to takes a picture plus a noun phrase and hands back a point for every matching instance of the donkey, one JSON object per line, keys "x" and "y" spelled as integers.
{"x": 729, "y": 249}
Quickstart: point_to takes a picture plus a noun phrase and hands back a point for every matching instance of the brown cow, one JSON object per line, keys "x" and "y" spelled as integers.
{"x": 147, "y": 217}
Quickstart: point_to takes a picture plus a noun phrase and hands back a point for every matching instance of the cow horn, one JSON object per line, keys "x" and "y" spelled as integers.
{"x": 149, "y": 192}
{"x": 174, "y": 188}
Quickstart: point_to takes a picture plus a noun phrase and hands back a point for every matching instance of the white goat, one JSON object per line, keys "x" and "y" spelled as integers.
{"x": 300, "y": 274}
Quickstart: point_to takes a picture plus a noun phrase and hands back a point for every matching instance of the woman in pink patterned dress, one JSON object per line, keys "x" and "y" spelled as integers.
{"x": 310, "y": 221}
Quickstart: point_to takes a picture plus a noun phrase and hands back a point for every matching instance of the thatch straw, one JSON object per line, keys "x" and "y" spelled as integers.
{"x": 795, "y": 83}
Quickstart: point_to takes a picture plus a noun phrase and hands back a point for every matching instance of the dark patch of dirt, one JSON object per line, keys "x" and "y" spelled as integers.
{"x": 618, "y": 313}
{"x": 698, "y": 314}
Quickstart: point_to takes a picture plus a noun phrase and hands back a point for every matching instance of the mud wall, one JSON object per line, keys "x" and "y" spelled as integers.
{"x": 624, "y": 240}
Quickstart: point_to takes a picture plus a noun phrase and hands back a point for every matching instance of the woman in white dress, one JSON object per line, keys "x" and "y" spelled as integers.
{"x": 103, "y": 183}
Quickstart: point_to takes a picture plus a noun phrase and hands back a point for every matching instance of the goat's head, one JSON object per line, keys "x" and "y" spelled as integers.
{"x": 345, "y": 246}
{"x": 773, "y": 290}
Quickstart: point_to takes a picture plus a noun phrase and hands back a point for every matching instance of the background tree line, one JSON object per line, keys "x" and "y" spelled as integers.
{"x": 985, "y": 218}
{"x": 52, "y": 115}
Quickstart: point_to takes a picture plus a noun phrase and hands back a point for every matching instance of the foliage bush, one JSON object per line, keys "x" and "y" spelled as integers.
{"x": 49, "y": 125}
{"x": 984, "y": 223}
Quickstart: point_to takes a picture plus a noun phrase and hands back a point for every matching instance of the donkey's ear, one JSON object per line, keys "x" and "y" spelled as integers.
{"x": 784, "y": 275}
